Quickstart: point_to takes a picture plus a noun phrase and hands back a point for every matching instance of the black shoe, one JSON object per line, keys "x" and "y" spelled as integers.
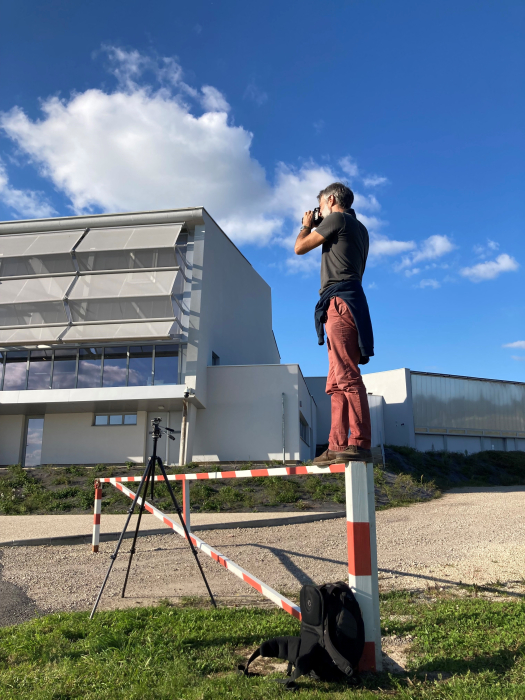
{"x": 354, "y": 454}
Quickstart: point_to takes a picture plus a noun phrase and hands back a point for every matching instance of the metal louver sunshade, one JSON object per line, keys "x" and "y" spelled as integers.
{"x": 34, "y": 290}
{"x": 121, "y": 331}
{"x": 139, "y": 238}
{"x": 29, "y": 335}
{"x": 38, "y": 244}
{"x": 125, "y": 284}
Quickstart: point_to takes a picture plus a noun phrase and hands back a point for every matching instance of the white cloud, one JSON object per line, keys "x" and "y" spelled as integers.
{"x": 518, "y": 357}
{"x": 349, "y": 167}
{"x": 431, "y": 248}
{"x": 372, "y": 285}
{"x": 255, "y": 94}
{"x": 382, "y": 246}
{"x": 518, "y": 344}
{"x": 491, "y": 269}
{"x": 434, "y": 284}
{"x": 482, "y": 251}
{"x": 23, "y": 202}
{"x": 156, "y": 142}
{"x": 413, "y": 271}
{"x": 213, "y": 100}
{"x": 374, "y": 180}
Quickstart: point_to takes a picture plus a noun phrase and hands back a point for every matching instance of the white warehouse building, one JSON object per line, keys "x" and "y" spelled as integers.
{"x": 107, "y": 320}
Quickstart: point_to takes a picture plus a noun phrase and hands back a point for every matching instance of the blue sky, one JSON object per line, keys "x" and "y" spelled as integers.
{"x": 249, "y": 109}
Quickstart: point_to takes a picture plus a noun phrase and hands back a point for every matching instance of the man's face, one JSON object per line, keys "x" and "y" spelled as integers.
{"x": 325, "y": 206}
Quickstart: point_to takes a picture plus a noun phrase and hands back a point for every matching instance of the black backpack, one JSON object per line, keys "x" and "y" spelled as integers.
{"x": 332, "y": 637}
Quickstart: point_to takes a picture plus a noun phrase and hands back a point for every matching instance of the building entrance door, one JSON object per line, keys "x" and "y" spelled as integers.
{"x": 33, "y": 446}
{"x": 168, "y": 450}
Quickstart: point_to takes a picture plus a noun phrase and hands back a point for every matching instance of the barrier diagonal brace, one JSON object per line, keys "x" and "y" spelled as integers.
{"x": 227, "y": 563}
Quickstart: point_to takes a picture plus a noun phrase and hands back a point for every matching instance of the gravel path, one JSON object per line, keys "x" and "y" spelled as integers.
{"x": 475, "y": 537}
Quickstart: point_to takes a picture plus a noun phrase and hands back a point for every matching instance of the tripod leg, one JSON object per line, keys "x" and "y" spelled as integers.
{"x": 114, "y": 555}
{"x": 150, "y": 476}
{"x": 179, "y": 511}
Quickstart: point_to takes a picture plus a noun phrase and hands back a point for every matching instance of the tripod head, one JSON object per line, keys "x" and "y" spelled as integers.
{"x": 159, "y": 430}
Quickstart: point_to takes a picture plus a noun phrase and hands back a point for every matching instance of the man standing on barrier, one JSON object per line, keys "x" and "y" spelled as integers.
{"x": 343, "y": 308}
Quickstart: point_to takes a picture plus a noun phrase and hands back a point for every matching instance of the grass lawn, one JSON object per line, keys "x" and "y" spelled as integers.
{"x": 459, "y": 648}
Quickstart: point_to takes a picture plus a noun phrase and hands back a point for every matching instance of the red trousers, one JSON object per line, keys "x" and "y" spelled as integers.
{"x": 350, "y": 410}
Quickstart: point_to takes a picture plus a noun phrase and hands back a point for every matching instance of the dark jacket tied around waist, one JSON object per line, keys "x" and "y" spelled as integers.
{"x": 351, "y": 292}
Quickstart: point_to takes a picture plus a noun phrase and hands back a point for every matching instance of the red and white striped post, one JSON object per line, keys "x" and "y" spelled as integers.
{"x": 186, "y": 504}
{"x": 96, "y": 516}
{"x": 362, "y": 556}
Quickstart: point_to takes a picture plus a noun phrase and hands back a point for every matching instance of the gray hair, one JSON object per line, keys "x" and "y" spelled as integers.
{"x": 342, "y": 194}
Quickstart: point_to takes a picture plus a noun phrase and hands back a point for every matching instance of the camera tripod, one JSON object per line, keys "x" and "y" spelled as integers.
{"x": 147, "y": 478}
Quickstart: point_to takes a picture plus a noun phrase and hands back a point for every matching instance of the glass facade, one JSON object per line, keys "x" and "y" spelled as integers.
{"x": 166, "y": 364}
{"x": 140, "y": 365}
{"x": 89, "y": 368}
{"x": 115, "y": 367}
{"x": 64, "y": 368}
{"x": 40, "y": 366}
{"x": 15, "y": 370}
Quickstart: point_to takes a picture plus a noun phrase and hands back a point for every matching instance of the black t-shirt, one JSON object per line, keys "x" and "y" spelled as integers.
{"x": 345, "y": 249}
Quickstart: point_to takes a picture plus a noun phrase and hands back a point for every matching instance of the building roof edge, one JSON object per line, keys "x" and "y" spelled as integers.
{"x": 189, "y": 215}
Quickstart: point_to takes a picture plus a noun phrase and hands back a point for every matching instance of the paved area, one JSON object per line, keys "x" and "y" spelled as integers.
{"x": 16, "y": 528}
{"x": 470, "y": 537}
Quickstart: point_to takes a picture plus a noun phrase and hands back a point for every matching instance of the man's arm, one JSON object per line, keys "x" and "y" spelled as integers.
{"x": 307, "y": 239}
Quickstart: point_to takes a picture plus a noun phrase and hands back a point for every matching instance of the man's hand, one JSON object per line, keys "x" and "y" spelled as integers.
{"x": 307, "y": 239}
{"x": 308, "y": 219}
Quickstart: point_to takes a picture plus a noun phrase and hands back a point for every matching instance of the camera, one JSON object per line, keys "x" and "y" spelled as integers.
{"x": 317, "y": 218}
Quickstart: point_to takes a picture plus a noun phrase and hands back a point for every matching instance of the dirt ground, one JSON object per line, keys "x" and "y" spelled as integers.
{"x": 474, "y": 536}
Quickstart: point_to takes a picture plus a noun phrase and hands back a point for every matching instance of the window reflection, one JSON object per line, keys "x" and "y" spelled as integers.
{"x": 40, "y": 364}
{"x": 64, "y": 368}
{"x": 67, "y": 368}
{"x": 115, "y": 366}
{"x": 140, "y": 365}
{"x": 15, "y": 371}
{"x": 166, "y": 364}
{"x": 89, "y": 368}
{"x": 35, "y": 432}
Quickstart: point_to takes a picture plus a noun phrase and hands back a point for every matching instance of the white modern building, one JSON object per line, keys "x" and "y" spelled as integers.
{"x": 436, "y": 411}
{"x": 105, "y": 322}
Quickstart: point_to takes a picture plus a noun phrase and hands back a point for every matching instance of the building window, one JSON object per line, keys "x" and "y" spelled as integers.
{"x": 65, "y": 368}
{"x": 115, "y": 366}
{"x": 40, "y": 364}
{"x": 304, "y": 429}
{"x": 15, "y": 371}
{"x": 215, "y": 360}
{"x": 115, "y": 419}
{"x": 166, "y": 364}
{"x": 140, "y": 366}
{"x": 89, "y": 368}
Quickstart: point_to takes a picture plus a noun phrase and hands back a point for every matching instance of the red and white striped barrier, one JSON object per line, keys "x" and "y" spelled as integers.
{"x": 362, "y": 556}
{"x": 241, "y": 474}
{"x": 96, "y": 516}
{"x": 361, "y": 536}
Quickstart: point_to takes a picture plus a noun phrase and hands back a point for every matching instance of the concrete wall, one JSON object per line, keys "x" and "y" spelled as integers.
{"x": 71, "y": 438}
{"x": 243, "y": 418}
{"x": 395, "y": 388}
{"x": 308, "y": 409}
{"x": 11, "y": 438}
{"x": 231, "y": 309}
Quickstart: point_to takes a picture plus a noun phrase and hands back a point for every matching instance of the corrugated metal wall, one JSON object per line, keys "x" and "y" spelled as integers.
{"x": 476, "y": 404}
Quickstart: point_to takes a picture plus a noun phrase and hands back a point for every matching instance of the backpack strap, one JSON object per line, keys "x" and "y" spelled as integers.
{"x": 342, "y": 664}
{"x": 244, "y": 669}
